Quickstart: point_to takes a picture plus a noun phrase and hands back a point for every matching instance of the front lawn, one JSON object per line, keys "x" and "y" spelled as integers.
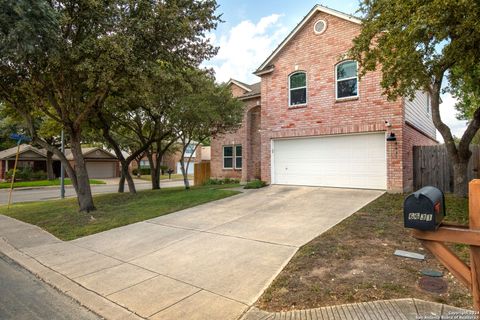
{"x": 354, "y": 262}
{"x": 62, "y": 219}
{"x": 42, "y": 183}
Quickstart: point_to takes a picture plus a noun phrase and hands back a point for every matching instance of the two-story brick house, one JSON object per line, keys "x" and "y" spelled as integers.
{"x": 311, "y": 120}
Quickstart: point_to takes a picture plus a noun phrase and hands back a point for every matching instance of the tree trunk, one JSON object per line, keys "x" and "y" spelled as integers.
{"x": 460, "y": 178}
{"x": 121, "y": 183}
{"x": 50, "y": 174}
{"x": 458, "y": 156}
{"x": 139, "y": 161}
{"x": 84, "y": 192}
{"x": 186, "y": 182}
{"x": 158, "y": 169}
{"x": 153, "y": 171}
{"x": 125, "y": 175}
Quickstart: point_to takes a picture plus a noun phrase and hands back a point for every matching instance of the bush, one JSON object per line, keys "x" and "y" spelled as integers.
{"x": 143, "y": 172}
{"x": 26, "y": 174}
{"x": 255, "y": 184}
{"x": 163, "y": 169}
{"x": 39, "y": 175}
{"x": 222, "y": 181}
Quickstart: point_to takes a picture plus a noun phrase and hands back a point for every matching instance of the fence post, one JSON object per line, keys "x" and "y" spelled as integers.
{"x": 474, "y": 221}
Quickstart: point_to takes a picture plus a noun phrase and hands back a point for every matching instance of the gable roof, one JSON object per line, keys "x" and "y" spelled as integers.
{"x": 266, "y": 67}
{"x": 242, "y": 85}
{"x": 86, "y": 152}
{"x": 12, "y": 152}
{"x": 253, "y": 90}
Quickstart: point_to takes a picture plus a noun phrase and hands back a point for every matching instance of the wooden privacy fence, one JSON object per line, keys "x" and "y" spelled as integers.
{"x": 201, "y": 173}
{"x": 432, "y": 167}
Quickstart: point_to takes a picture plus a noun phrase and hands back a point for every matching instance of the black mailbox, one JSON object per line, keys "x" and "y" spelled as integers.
{"x": 424, "y": 209}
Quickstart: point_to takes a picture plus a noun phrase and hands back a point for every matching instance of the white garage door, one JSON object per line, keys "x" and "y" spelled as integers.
{"x": 351, "y": 161}
{"x": 101, "y": 170}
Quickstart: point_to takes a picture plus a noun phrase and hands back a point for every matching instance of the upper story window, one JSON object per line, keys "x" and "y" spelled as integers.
{"x": 297, "y": 89}
{"x": 346, "y": 80}
{"x": 320, "y": 26}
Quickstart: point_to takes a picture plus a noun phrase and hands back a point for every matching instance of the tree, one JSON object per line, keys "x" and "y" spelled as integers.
{"x": 48, "y": 129}
{"x": 50, "y": 132}
{"x": 419, "y": 45}
{"x": 64, "y": 58}
{"x": 8, "y": 125}
{"x": 120, "y": 131}
{"x": 207, "y": 110}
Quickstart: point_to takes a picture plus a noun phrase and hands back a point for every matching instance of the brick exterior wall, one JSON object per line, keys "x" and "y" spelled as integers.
{"x": 412, "y": 137}
{"x": 248, "y": 136}
{"x": 2, "y": 169}
{"x": 237, "y": 91}
{"x": 318, "y": 55}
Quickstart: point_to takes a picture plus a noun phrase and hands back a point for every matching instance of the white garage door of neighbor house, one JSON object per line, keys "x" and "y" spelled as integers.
{"x": 101, "y": 170}
{"x": 191, "y": 167}
{"x": 349, "y": 161}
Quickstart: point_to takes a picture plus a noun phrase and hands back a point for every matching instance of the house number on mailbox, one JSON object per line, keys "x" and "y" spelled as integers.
{"x": 420, "y": 216}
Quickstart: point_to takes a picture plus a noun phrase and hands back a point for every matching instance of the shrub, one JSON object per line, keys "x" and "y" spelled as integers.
{"x": 163, "y": 169}
{"x": 143, "y": 171}
{"x": 39, "y": 175}
{"x": 26, "y": 174}
{"x": 255, "y": 184}
{"x": 222, "y": 181}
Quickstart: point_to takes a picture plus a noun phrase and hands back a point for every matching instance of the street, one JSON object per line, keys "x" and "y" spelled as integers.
{"x": 50, "y": 193}
{"x": 23, "y": 296}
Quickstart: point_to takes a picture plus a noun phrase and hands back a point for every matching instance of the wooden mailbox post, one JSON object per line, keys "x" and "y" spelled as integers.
{"x": 434, "y": 241}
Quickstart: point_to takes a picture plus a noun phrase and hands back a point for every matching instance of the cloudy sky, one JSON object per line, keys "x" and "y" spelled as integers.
{"x": 253, "y": 29}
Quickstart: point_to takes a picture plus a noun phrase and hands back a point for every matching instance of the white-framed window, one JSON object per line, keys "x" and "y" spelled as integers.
{"x": 233, "y": 157}
{"x": 346, "y": 80}
{"x": 297, "y": 89}
{"x": 144, "y": 164}
{"x": 238, "y": 157}
{"x": 320, "y": 26}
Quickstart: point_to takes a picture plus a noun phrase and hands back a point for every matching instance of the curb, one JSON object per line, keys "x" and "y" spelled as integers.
{"x": 92, "y": 301}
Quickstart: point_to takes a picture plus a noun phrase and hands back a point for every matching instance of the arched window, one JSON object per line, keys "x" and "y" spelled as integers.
{"x": 297, "y": 83}
{"x": 346, "y": 79}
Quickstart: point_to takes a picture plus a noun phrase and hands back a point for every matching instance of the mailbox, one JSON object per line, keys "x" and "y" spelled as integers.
{"x": 424, "y": 209}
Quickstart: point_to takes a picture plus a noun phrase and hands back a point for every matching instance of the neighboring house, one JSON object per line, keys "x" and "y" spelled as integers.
{"x": 311, "y": 121}
{"x": 172, "y": 159}
{"x": 100, "y": 164}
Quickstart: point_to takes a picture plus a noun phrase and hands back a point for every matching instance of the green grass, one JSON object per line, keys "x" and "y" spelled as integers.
{"x": 42, "y": 183}
{"x": 62, "y": 219}
{"x": 165, "y": 177}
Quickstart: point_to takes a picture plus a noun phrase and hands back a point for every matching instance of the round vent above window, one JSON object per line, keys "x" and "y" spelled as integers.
{"x": 320, "y": 26}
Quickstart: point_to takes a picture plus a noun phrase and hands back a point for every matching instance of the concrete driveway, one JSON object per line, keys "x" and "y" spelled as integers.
{"x": 208, "y": 262}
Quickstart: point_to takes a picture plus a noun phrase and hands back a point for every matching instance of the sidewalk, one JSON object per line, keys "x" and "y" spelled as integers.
{"x": 402, "y": 309}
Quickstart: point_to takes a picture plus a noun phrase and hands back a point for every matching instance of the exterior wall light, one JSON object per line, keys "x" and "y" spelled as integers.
{"x": 391, "y": 137}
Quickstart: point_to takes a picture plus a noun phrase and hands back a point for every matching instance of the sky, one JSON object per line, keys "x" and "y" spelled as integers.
{"x": 252, "y": 29}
